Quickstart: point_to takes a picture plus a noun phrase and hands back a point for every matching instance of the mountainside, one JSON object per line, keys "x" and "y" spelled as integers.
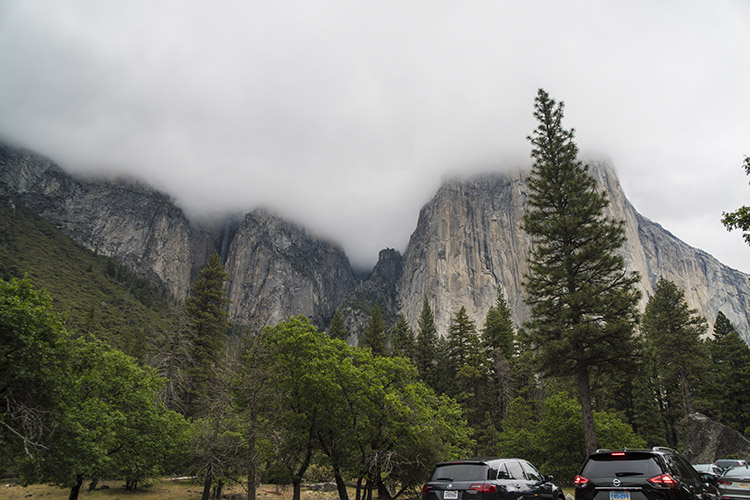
{"x": 467, "y": 243}
{"x": 277, "y": 270}
{"x": 96, "y": 294}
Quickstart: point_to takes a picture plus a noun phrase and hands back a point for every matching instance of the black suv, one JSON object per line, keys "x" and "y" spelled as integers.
{"x": 489, "y": 479}
{"x": 655, "y": 474}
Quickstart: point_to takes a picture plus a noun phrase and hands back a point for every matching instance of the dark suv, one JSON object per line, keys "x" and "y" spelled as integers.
{"x": 490, "y": 479}
{"x": 655, "y": 474}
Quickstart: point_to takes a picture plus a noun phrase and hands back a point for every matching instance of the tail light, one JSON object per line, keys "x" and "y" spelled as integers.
{"x": 724, "y": 481}
{"x": 426, "y": 489}
{"x": 664, "y": 481}
{"x": 580, "y": 481}
{"x": 483, "y": 488}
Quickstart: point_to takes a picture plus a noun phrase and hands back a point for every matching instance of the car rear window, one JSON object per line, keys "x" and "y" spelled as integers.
{"x": 621, "y": 465}
{"x": 738, "y": 472}
{"x": 460, "y": 472}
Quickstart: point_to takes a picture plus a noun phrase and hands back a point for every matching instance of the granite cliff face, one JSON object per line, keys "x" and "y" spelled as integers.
{"x": 468, "y": 243}
{"x": 122, "y": 219}
{"x": 277, "y": 270}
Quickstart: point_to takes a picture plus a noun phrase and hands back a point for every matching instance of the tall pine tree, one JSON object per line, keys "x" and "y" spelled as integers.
{"x": 583, "y": 301}
{"x": 672, "y": 331}
{"x": 206, "y": 312}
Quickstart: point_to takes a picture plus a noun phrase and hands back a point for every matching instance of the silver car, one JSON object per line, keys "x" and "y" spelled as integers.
{"x": 734, "y": 484}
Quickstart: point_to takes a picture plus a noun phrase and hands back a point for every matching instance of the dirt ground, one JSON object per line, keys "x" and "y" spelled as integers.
{"x": 160, "y": 490}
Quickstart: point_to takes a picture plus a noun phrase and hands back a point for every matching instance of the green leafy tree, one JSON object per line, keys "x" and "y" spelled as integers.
{"x": 560, "y": 435}
{"x": 583, "y": 301}
{"x": 109, "y": 422}
{"x": 206, "y": 311}
{"x": 374, "y": 335}
{"x": 301, "y": 380}
{"x": 673, "y": 333}
{"x": 31, "y": 337}
{"x": 337, "y": 329}
{"x": 740, "y": 218}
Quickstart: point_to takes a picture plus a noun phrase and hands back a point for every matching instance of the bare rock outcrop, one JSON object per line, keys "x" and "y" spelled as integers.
{"x": 705, "y": 440}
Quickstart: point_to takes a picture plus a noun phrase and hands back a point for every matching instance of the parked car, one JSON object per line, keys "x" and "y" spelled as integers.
{"x": 712, "y": 469}
{"x": 734, "y": 484}
{"x": 726, "y": 463}
{"x": 490, "y": 479}
{"x": 655, "y": 474}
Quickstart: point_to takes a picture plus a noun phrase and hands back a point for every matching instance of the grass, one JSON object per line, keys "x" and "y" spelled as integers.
{"x": 163, "y": 489}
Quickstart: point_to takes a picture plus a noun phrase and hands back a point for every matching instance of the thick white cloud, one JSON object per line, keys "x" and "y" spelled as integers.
{"x": 346, "y": 115}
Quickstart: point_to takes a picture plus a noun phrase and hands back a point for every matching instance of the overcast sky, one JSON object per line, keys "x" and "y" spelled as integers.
{"x": 347, "y": 115}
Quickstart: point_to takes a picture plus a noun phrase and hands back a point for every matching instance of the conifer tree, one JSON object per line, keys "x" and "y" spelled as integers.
{"x": 374, "y": 335}
{"x": 206, "y": 311}
{"x": 428, "y": 347}
{"x": 673, "y": 332}
{"x": 583, "y": 301}
{"x": 498, "y": 331}
{"x": 497, "y": 337}
{"x": 402, "y": 338}
{"x": 467, "y": 366}
{"x": 337, "y": 329}
{"x": 726, "y": 393}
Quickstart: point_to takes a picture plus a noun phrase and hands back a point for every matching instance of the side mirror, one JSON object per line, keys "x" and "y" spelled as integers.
{"x": 549, "y": 478}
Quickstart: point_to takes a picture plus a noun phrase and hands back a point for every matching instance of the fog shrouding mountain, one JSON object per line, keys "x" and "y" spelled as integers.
{"x": 347, "y": 116}
{"x": 468, "y": 243}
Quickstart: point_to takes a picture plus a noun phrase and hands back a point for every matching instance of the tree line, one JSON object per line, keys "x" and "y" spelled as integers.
{"x": 286, "y": 403}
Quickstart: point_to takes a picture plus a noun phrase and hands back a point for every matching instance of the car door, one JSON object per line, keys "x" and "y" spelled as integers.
{"x": 523, "y": 487}
{"x": 539, "y": 488}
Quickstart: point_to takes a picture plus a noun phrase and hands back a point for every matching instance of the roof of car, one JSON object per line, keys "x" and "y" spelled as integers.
{"x": 478, "y": 460}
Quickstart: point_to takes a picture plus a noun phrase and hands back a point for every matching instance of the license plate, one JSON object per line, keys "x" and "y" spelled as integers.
{"x": 450, "y": 495}
{"x": 619, "y": 495}
{"x": 743, "y": 485}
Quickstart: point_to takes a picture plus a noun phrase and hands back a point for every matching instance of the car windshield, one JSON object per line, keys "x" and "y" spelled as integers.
{"x": 621, "y": 465}
{"x": 460, "y": 472}
{"x": 741, "y": 472}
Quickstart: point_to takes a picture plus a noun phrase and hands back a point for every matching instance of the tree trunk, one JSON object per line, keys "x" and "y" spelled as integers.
{"x": 686, "y": 397}
{"x": 383, "y": 490}
{"x": 76, "y": 488}
{"x": 251, "y": 461}
{"x": 340, "y": 484}
{"x": 584, "y": 390}
{"x": 297, "y": 485}
{"x": 207, "y": 485}
{"x": 359, "y": 488}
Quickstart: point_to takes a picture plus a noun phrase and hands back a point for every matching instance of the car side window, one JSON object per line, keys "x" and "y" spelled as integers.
{"x": 492, "y": 473}
{"x": 514, "y": 469}
{"x": 502, "y": 472}
{"x": 531, "y": 473}
{"x": 687, "y": 470}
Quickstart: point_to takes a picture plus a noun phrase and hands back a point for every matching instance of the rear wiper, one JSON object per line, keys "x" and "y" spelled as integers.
{"x": 621, "y": 474}
{"x": 444, "y": 479}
